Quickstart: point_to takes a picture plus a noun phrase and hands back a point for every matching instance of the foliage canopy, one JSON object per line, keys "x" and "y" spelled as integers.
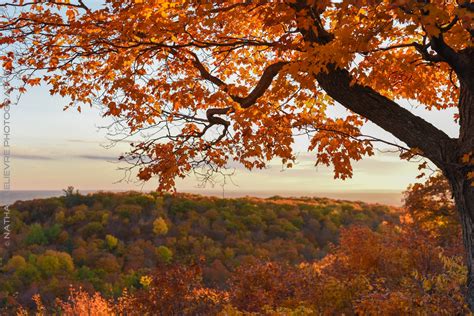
{"x": 216, "y": 82}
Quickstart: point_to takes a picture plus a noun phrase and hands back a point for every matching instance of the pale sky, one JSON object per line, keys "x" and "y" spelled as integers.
{"x": 53, "y": 149}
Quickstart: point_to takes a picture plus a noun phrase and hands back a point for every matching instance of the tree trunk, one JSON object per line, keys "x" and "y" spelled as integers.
{"x": 457, "y": 173}
{"x": 445, "y": 152}
{"x": 464, "y": 198}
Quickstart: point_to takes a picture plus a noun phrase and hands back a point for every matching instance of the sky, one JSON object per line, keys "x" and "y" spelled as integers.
{"x": 53, "y": 149}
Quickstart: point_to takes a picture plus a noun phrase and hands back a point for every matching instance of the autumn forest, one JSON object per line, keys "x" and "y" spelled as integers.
{"x": 208, "y": 91}
{"x": 139, "y": 253}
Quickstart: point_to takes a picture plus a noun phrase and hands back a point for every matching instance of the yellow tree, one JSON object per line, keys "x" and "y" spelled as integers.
{"x": 220, "y": 81}
{"x": 159, "y": 226}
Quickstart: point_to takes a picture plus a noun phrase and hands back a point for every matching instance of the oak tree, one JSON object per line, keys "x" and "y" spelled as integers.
{"x": 211, "y": 82}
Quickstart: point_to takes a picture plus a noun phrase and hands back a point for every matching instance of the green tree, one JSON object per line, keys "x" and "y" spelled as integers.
{"x": 16, "y": 262}
{"x": 28, "y": 273}
{"x": 165, "y": 255}
{"x": 53, "y": 262}
{"x": 36, "y": 235}
{"x": 52, "y": 232}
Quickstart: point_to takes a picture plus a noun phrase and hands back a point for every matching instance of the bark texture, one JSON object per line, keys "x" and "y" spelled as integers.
{"x": 464, "y": 199}
{"x": 411, "y": 129}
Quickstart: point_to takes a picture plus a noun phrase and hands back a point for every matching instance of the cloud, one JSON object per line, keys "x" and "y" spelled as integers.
{"x": 305, "y": 165}
{"x": 97, "y": 157}
{"x": 102, "y": 141}
{"x": 82, "y": 141}
{"x": 31, "y": 157}
{"x": 50, "y": 156}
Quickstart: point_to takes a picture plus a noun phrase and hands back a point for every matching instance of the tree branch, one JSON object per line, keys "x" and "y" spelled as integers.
{"x": 245, "y": 102}
{"x": 448, "y": 54}
{"x": 409, "y": 128}
{"x": 264, "y": 82}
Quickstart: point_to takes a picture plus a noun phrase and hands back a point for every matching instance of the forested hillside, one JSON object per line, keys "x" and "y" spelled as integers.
{"x": 107, "y": 242}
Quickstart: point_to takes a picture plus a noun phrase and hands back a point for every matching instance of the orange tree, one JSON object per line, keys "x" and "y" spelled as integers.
{"x": 219, "y": 81}
{"x": 431, "y": 207}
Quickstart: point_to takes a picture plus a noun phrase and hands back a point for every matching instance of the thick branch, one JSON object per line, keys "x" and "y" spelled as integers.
{"x": 265, "y": 81}
{"x": 262, "y": 85}
{"x": 427, "y": 55}
{"x": 448, "y": 54}
{"x": 466, "y": 115}
{"x": 409, "y": 128}
{"x": 213, "y": 119}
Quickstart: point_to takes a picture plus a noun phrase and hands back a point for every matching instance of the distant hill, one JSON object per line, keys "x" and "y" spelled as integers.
{"x": 387, "y": 197}
{"x": 107, "y": 241}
